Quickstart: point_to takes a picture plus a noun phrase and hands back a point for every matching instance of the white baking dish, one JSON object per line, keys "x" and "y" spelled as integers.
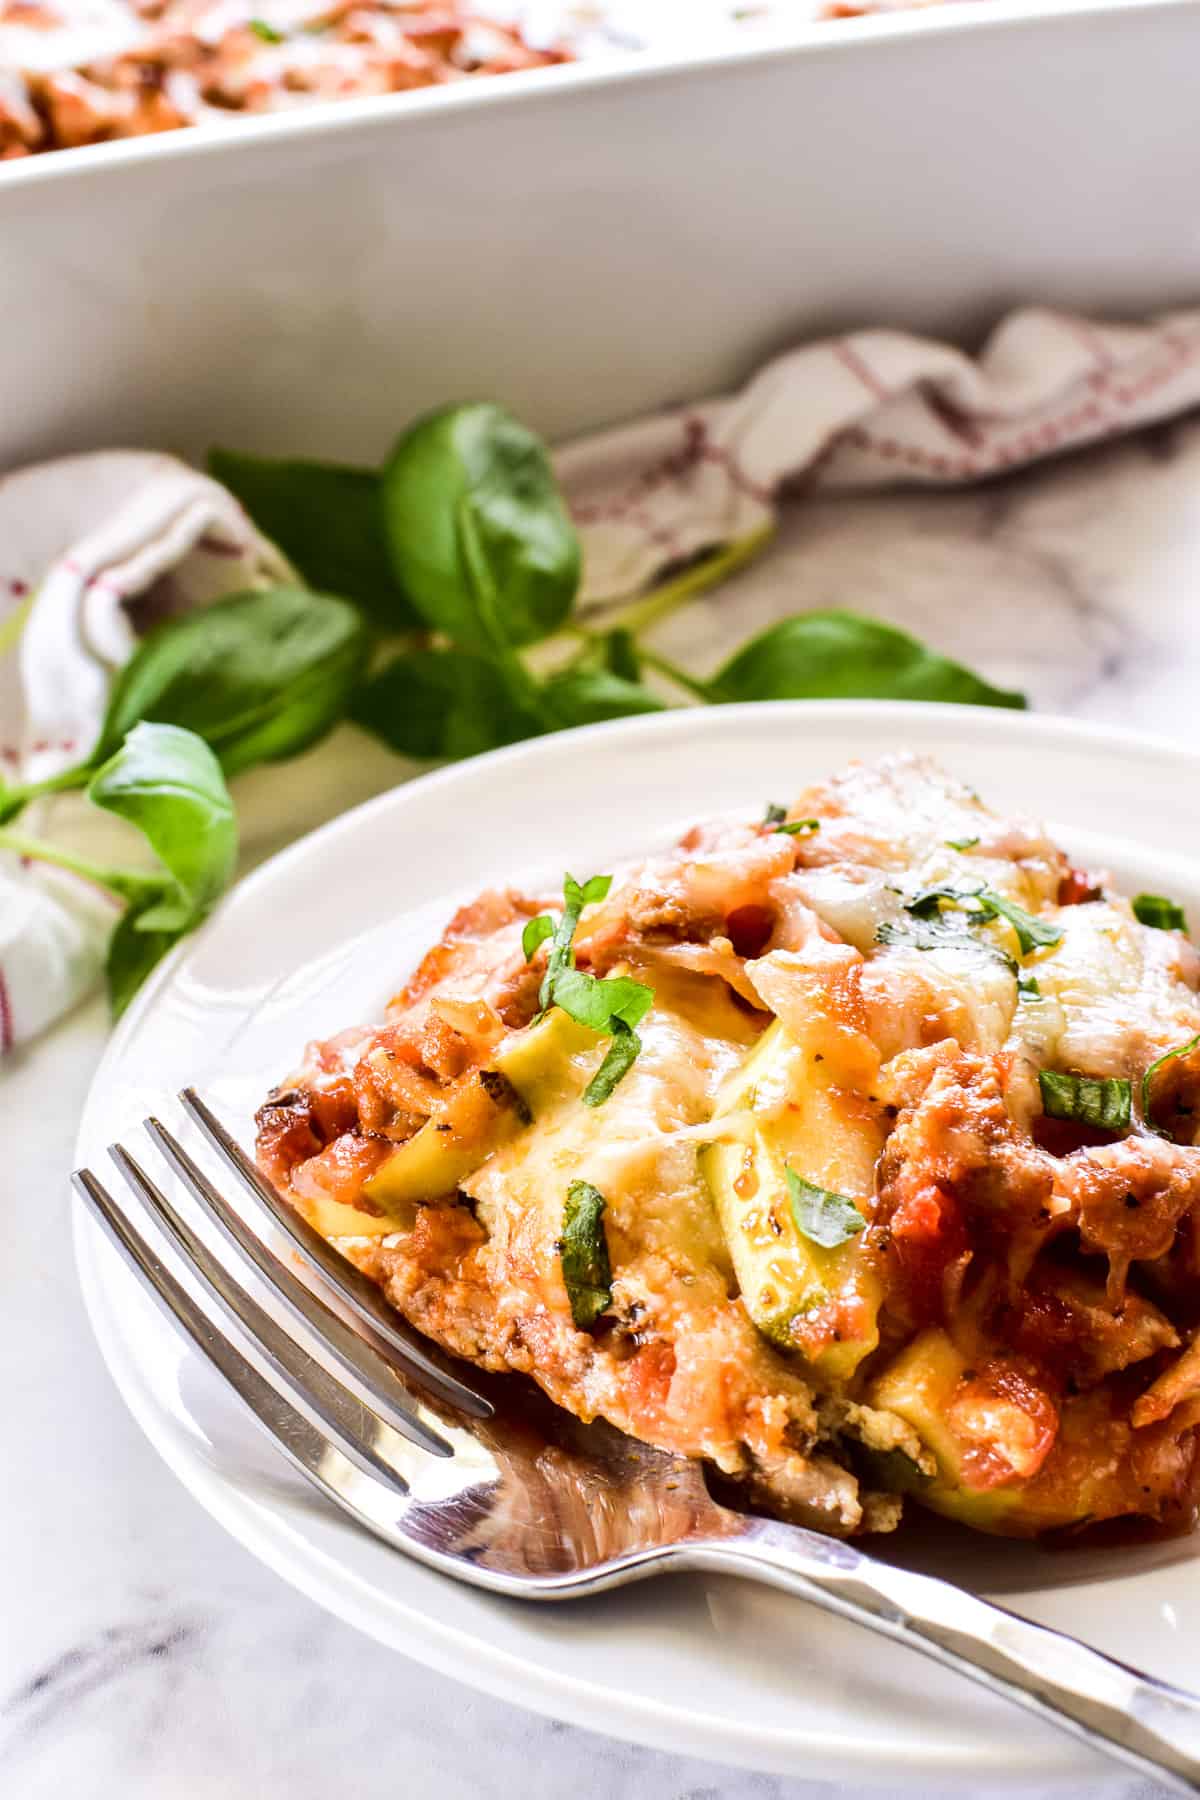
{"x": 589, "y": 241}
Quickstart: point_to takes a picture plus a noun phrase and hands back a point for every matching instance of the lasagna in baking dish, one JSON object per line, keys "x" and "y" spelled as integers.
{"x": 853, "y": 1147}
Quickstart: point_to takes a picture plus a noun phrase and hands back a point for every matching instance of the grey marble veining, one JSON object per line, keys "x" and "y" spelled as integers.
{"x": 145, "y": 1655}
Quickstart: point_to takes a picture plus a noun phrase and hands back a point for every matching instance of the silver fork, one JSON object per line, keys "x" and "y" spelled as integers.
{"x": 491, "y": 1484}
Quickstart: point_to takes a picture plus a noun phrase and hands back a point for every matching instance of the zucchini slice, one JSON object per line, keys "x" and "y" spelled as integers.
{"x": 787, "y": 1110}
{"x": 529, "y": 1071}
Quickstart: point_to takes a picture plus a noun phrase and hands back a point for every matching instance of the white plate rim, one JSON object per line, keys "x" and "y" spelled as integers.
{"x": 648, "y": 1720}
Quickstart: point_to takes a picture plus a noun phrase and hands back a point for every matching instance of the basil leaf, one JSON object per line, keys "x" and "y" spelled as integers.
{"x": 798, "y": 827}
{"x": 620, "y": 1057}
{"x": 1166, "y": 1057}
{"x": 477, "y": 530}
{"x": 982, "y": 904}
{"x": 842, "y": 655}
{"x": 442, "y": 703}
{"x": 266, "y": 32}
{"x": 967, "y": 843}
{"x": 927, "y": 903}
{"x": 1032, "y": 933}
{"x": 1105, "y": 1102}
{"x": 588, "y": 696}
{"x": 1027, "y": 988}
{"x": 583, "y": 1253}
{"x": 259, "y": 676}
{"x": 168, "y": 783}
{"x": 824, "y": 1218}
{"x": 327, "y": 518}
{"x": 600, "y": 1004}
{"x": 535, "y": 935}
{"x": 1162, "y": 914}
{"x": 775, "y": 814}
{"x": 132, "y": 953}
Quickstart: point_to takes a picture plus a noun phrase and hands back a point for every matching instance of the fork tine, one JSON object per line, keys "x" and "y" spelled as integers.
{"x": 361, "y": 1295}
{"x": 310, "y": 1383}
{"x": 361, "y": 1361}
{"x": 295, "y": 1435}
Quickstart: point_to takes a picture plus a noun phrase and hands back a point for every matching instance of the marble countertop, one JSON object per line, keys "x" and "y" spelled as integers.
{"x": 142, "y": 1652}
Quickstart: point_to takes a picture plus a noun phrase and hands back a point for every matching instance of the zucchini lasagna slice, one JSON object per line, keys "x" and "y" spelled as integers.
{"x": 852, "y": 1148}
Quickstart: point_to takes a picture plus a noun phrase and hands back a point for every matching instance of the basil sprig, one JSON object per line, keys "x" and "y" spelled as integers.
{"x": 167, "y": 784}
{"x": 823, "y": 1217}
{"x": 328, "y": 521}
{"x": 1148, "y": 1078}
{"x": 254, "y": 678}
{"x": 614, "y": 1005}
{"x": 583, "y": 1253}
{"x": 465, "y": 532}
{"x": 260, "y": 676}
{"x": 1104, "y": 1102}
{"x": 1159, "y": 912}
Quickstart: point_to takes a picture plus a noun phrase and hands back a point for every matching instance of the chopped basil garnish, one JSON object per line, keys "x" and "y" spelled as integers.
{"x": 1032, "y": 934}
{"x": 620, "y": 1057}
{"x": 615, "y": 1005}
{"x": 776, "y": 817}
{"x": 576, "y": 896}
{"x": 1105, "y": 1102}
{"x": 961, "y": 843}
{"x": 937, "y": 934}
{"x": 266, "y": 32}
{"x": 1164, "y": 915}
{"x": 824, "y": 1218}
{"x": 583, "y": 1252}
{"x": 927, "y": 903}
{"x": 601, "y": 1004}
{"x": 535, "y": 935}
{"x": 1168, "y": 1056}
{"x": 982, "y": 904}
{"x": 1027, "y": 988}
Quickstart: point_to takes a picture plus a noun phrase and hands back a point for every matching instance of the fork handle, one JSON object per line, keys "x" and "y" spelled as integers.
{"x": 1153, "y": 1727}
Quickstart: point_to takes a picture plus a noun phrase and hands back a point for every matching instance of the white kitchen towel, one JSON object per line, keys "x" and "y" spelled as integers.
{"x": 870, "y": 410}
{"x": 93, "y": 548}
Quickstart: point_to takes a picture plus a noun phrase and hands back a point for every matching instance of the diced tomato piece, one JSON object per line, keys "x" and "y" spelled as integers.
{"x": 339, "y": 1171}
{"x": 927, "y": 1234}
{"x": 1005, "y": 1423}
{"x": 1076, "y": 887}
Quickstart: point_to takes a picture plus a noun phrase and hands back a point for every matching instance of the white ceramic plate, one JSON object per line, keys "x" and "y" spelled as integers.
{"x": 317, "y": 939}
